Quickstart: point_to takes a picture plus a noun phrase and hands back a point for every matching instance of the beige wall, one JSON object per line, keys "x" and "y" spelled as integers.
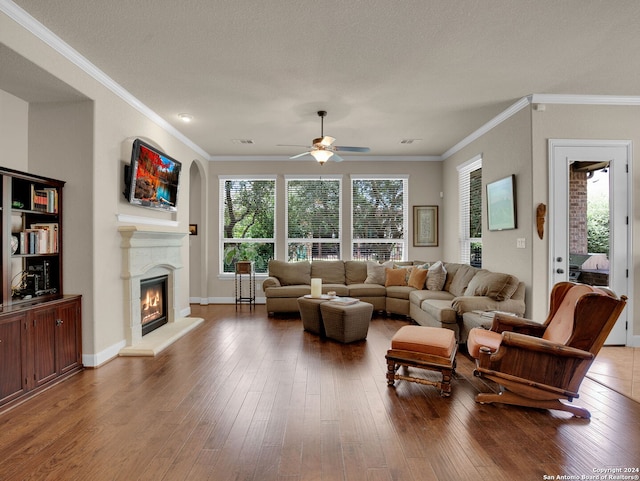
{"x": 106, "y": 121}
{"x": 505, "y": 150}
{"x": 14, "y": 121}
{"x": 424, "y": 189}
{"x": 587, "y": 122}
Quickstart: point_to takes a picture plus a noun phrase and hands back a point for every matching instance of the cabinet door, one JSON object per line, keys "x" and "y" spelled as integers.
{"x": 12, "y": 357}
{"x": 68, "y": 336}
{"x": 44, "y": 345}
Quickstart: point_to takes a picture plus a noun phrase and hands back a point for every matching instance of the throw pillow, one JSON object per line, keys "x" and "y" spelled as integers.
{"x": 417, "y": 278}
{"x": 436, "y": 276}
{"x": 495, "y": 285}
{"x": 290, "y": 273}
{"x": 375, "y": 272}
{"x": 461, "y": 279}
{"x": 395, "y": 277}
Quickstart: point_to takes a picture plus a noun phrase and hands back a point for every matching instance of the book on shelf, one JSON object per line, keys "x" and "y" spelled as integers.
{"x": 39, "y": 239}
{"x": 44, "y": 200}
{"x": 51, "y": 236}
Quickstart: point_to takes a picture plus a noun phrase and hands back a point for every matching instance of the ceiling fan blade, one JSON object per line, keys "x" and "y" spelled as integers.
{"x": 299, "y": 155}
{"x": 344, "y": 148}
{"x": 326, "y": 141}
{"x": 336, "y": 158}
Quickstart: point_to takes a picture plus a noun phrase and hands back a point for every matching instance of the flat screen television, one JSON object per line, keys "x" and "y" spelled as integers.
{"x": 152, "y": 179}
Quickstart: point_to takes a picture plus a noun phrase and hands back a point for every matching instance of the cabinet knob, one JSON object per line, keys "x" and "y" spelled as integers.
{"x": 59, "y": 322}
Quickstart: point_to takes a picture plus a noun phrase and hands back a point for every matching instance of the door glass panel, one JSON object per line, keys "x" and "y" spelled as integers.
{"x": 589, "y": 233}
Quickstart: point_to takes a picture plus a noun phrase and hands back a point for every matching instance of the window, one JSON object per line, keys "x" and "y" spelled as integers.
{"x": 379, "y": 209}
{"x": 470, "y": 199}
{"x": 313, "y": 218}
{"x": 247, "y": 208}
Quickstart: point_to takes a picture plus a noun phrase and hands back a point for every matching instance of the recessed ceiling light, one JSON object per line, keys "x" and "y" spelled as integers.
{"x": 409, "y": 141}
{"x": 242, "y": 141}
{"x": 185, "y": 117}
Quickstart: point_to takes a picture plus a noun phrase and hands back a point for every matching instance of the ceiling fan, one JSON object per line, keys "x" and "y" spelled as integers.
{"x": 322, "y": 148}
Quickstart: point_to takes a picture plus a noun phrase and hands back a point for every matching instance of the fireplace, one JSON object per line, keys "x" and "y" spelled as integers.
{"x": 153, "y": 303}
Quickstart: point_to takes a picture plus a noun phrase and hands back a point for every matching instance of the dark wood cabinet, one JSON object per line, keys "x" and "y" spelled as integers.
{"x": 40, "y": 327}
{"x": 13, "y": 348}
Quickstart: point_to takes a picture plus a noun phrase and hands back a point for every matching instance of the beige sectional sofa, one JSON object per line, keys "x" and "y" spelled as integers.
{"x": 462, "y": 288}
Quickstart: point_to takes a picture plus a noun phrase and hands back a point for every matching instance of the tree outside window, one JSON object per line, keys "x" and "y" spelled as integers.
{"x": 248, "y": 228}
{"x": 379, "y": 219}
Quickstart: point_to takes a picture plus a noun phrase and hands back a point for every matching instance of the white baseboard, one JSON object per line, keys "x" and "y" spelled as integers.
{"x": 95, "y": 360}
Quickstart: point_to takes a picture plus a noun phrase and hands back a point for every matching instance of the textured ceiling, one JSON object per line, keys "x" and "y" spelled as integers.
{"x": 384, "y": 70}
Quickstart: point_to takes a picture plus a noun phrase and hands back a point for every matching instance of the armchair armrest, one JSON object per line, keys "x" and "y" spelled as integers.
{"x": 270, "y": 282}
{"x": 507, "y": 323}
{"x": 529, "y": 361}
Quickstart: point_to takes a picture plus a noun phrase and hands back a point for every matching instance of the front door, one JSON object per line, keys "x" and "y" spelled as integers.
{"x": 579, "y": 250}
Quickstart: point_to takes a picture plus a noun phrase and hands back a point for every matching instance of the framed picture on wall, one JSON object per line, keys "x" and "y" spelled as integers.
{"x": 425, "y": 225}
{"x": 501, "y": 204}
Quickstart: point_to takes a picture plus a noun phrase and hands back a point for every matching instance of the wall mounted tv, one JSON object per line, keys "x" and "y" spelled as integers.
{"x": 152, "y": 179}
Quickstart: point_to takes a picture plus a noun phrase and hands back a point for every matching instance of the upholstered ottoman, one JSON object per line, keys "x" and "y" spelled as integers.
{"x": 431, "y": 348}
{"x": 346, "y": 323}
{"x": 310, "y": 314}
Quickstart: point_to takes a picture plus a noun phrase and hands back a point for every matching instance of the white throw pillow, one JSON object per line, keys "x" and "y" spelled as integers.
{"x": 436, "y": 276}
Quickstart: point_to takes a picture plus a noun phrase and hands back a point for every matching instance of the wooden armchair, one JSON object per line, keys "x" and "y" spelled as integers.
{"x": 541, "y": 365}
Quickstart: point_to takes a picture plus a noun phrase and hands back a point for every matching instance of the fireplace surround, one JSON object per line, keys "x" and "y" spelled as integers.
{"x": 148, "y": 253}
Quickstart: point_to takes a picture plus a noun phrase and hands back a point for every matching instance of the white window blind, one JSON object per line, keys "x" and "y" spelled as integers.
{"x": 379, "y": 218}
{"x": 470, "y": 201}
{"x": 247, "y": 214}
{"x": 313, "y": 218}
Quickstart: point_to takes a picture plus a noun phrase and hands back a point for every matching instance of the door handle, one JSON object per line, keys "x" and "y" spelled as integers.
{"x": 560, "y": 271}
{"x": 59, "y": 322}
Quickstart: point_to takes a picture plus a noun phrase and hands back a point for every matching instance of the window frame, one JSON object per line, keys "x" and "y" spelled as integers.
{"x": 404, "y": 241}
{"x": 464, "y": 207}
{"x": 221, "y": 210}
{"x": 315, "y": 240}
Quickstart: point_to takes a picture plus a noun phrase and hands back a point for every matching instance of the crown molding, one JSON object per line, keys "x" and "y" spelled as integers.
{"x": 569, "y": 99}
{"x": 497, "y": 120}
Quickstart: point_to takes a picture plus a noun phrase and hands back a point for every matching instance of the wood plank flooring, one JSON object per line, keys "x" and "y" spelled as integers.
{"x": 249, "y": 397}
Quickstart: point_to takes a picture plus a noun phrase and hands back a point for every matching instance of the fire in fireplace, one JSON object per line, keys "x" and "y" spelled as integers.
{"x": 153, "y": 300}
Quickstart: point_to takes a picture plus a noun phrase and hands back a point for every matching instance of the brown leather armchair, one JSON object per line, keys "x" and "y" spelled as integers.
{"x": 541, "y": 365}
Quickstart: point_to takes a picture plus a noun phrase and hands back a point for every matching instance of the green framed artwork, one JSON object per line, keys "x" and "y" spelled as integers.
{"x": 501, "y": 204}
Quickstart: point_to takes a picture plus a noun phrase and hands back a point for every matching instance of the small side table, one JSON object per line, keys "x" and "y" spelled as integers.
{"x": 244, "y": 269}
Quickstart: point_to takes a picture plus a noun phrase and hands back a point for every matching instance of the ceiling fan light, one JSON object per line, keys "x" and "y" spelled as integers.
{"x": 322, "y": 155}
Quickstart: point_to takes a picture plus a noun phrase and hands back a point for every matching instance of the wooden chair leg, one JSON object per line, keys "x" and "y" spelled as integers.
{"x": 391, "y": 372}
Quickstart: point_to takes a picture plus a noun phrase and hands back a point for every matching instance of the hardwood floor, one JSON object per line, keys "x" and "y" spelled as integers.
{"x": 248, "y": 397}
{"x": 618, "y": 367}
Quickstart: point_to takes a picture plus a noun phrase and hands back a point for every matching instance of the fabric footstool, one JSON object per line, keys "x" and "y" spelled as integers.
{"x": 310, "y": 314}
{"x": 346, "y": 323}
{"x": 431, "y": 348}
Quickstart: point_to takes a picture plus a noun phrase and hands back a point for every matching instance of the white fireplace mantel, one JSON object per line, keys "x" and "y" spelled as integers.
{"x": 148, "y": 251}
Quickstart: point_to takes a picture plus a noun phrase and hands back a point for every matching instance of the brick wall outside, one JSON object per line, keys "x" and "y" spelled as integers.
{"x": 577, "y": 212}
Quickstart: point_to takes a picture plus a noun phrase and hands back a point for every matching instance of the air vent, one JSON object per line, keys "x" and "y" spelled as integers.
{"x": 242, "y": 141}
{"x": 409, "y": 141}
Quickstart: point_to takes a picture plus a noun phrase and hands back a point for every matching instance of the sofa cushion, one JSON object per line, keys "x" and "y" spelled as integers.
{"x": 436, "y": 276}
{"x": 417, "y": 278}
{"x": 395, "y": 277}
{"x": 331, "y": 272}
{"x": 461, "y": 279}
{"x": 440, "y": 310}
{"x": 367, "y": 290}
{"x": 495, "y": 285}
{"x": 417, "y": 296}
{"x": 355, "y": 272}
{"x": 399, "y": 292}
{"x": 294, "y": 291}
{"x": 291, "y": 273}
{"x": 376, "y": 272}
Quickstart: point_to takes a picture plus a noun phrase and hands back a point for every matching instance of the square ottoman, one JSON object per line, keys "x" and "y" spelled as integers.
{"x": 310, "y": 314}
{"x": 346, "y": 322}
{"x": 431, "y": 348}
